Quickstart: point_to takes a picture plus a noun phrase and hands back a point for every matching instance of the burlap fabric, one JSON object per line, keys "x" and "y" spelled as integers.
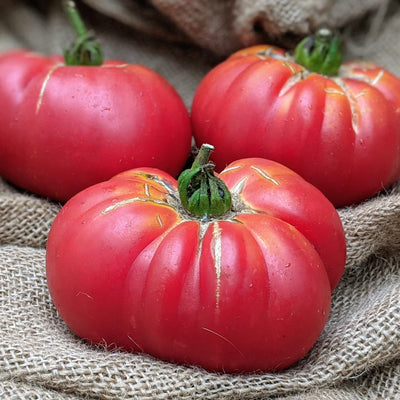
{"x": 358, "y": 353}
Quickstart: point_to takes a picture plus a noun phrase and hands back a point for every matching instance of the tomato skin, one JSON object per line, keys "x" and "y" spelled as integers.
{"x": 342, "y": 134}
{"x": 64, "y": 128}
{"x": 127, "y": 267}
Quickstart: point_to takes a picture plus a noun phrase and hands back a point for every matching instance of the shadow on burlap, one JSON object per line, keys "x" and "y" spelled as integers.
{"x": 358, "y": 354}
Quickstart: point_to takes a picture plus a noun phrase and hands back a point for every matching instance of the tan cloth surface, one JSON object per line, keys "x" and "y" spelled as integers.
{"x": 357, "y": 355}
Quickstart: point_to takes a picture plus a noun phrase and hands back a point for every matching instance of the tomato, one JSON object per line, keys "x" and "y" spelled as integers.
{"x": 244, "y": 289}
{"x": 64, "y": 128}
{"x": 66, "y": 124}
{"x": 340, "y": 132}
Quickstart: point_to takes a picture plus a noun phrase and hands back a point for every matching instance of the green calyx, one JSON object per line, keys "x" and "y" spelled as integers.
{"x": 86, "y": 50}
{"x": 202, "y": 194}
{"x": 320, "y": 53}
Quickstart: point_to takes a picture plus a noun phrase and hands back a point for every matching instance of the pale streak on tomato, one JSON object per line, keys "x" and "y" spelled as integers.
{"x": 121, "y": 66}
{"x": 43, "y": 88}
{"x": 217, "y": 255}
{"x": 224, "y": 339}
{"x": 146, "y": 190}
{"x": 85, "y": 294}
{"x": 135, "y": 343}
{"x": 378, "y": 77}
{"x": 239, "y": 186}
{"x": 159, "y": 220}
{"x": 352, "y": 103}
{"x": 334, "y": 91}
{"x": 265, "y": 175}
{"x": 233, "y": 168}
{"x": 131, "y": 200}
{"x": 292, "y": 68}
{"x": 348, "y": 72}
{"x": 292, "y": 81}
{"x": 361, "y": 94}
{"x": 168, "y": 189}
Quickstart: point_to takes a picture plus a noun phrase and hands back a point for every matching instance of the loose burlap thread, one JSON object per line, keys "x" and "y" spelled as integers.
{"x": 358, "y": 354}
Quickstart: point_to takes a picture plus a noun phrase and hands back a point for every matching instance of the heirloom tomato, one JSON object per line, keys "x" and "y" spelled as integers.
{"x": 336, "y": 125}
{"x": 231, "y": 274}
{"x": 66, "y": 127}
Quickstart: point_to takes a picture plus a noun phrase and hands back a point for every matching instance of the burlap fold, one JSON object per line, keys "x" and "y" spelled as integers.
{"x": 358, "y": 354}
{"x": 224, "y": 26}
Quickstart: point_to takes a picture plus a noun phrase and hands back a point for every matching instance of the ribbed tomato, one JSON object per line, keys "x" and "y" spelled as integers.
{"x": 249, "y": 289}
{"x": 340, "y": 132}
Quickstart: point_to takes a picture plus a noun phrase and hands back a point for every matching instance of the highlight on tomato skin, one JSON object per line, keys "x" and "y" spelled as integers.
{"x": 341, "y": 132}
{"x": 249, "y": 290}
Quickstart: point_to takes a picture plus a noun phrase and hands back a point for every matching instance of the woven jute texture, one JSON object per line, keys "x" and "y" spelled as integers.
{"x": 357, "y": 355}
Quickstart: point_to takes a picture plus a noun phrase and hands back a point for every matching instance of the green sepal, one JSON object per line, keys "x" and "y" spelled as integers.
{"x": 86, "y": 50}
{"x": 320, "y": 53}
{"x": 202, "y": 194}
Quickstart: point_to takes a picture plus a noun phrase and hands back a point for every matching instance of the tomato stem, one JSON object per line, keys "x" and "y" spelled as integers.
{"x": 86, "y": 50}
{"x": 201, "y": 192}
{"x": 203, "y": 156}
{"x": 320, "y": 52}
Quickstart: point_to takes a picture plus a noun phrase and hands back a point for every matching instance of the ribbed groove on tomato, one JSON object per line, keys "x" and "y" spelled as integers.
{"x": 164, "y": 278}
{"x": 268, "y": 91}
{"x": 292, "y": 81}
